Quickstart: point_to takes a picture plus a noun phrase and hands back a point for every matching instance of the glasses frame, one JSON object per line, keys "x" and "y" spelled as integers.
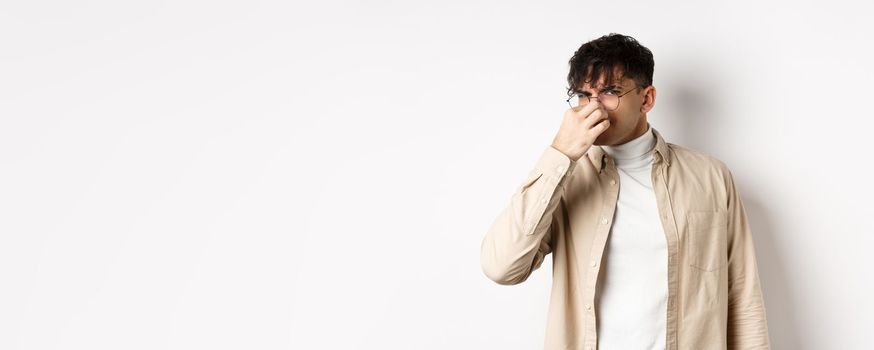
{"x": 589, "y": 98}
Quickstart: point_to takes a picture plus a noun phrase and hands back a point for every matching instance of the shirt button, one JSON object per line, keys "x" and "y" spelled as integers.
{"x": 594, "y": 264}
{"x": 612, "y": 182}
{"x": 588, "y": 348}
{"x": 544, "y": 201}
{"x": 588, "y": 306}
{"x": 604, "y": 221}
{"x": 560, "y": 169}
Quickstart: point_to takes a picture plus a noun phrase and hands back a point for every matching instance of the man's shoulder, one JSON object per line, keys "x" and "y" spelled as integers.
{"x": 696, "y": 160}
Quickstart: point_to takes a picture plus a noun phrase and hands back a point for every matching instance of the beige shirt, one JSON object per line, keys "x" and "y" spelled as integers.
{"x": 566, "y": 208}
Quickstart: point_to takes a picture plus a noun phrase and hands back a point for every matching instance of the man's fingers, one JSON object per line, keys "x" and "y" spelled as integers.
{"x": 593, "y": 118}
{"x": 599, "y": 128}
{"x": 603, "y": 125}
{"x": 588, "y": 109}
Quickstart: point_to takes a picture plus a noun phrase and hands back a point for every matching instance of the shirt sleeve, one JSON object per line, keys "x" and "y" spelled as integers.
{"x": 747, "y": 322}
{"x": 519, "y": 239}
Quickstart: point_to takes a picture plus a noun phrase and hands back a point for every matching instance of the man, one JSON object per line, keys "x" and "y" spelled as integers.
{"x": 650, "y": 244}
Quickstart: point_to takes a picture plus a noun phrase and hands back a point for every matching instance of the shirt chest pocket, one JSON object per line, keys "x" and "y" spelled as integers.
{"x": 706, "y": 239}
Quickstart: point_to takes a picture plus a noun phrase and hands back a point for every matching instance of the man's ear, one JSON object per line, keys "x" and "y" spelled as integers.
{"x": 649, "y": 97}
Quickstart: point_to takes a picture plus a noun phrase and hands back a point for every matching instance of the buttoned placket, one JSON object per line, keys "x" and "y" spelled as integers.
{"x": 669, "y": 225}
{"x": 610, "y": 186}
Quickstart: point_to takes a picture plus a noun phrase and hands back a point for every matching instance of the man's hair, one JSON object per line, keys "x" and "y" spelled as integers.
{"x": 601, "y": 56}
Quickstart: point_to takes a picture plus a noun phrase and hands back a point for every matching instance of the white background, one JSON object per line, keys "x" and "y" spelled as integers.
{"x": 283, "y": 175}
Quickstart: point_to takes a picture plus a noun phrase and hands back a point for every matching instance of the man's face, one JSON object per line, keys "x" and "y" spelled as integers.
{"x": 628, "y": 120}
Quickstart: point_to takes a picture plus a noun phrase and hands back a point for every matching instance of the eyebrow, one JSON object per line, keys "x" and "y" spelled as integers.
{"x": 608, "y": 87}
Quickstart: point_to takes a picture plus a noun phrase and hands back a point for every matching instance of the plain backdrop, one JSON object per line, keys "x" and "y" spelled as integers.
{"x": 319, "y": 175}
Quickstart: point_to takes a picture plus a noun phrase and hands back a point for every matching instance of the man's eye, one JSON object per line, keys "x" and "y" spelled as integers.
{"x": 612, "y": 92}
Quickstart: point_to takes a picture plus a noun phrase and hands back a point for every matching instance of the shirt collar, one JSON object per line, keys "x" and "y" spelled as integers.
{"x": 662, "y": 152}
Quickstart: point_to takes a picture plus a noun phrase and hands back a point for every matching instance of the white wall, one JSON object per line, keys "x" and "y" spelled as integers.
{"x": 275, "y": 175}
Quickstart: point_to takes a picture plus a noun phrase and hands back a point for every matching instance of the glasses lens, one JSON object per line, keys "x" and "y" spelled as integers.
{"x": 610, "y": 101}
{"x": 577, "y": 100}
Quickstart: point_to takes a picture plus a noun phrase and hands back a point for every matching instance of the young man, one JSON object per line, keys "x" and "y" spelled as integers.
{"x": 651, "y": 248}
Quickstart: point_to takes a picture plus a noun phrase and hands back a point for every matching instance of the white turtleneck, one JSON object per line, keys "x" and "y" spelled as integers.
{"x": 632, "y": 296}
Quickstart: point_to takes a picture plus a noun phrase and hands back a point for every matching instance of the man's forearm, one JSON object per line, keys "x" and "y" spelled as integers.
{"x": 519, "y": 238}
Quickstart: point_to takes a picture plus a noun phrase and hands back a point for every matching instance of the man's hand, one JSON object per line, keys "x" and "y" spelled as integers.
{"x": 580, "y": 128}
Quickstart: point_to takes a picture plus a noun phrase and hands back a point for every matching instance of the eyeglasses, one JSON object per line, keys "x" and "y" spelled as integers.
{"x": 608, "y": 98}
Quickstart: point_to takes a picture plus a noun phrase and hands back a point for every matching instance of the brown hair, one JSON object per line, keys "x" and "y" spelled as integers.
{"x": 601, "y": 56}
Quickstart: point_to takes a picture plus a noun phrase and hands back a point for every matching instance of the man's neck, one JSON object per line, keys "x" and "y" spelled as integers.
{"x": 634, "y": 150}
